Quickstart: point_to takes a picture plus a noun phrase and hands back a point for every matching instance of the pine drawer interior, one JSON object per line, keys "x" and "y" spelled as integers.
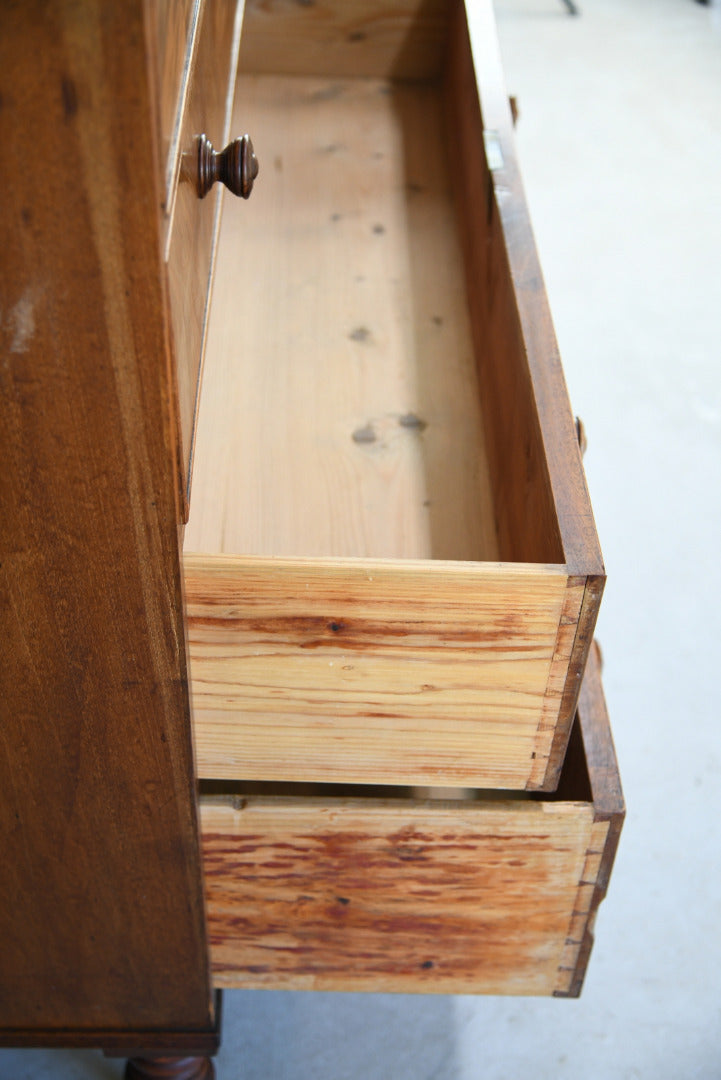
{"x": 391, "y": 569}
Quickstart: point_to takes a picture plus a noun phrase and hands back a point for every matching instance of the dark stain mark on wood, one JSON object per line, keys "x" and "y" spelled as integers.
{"x": 364, "y": 435}
{"x": 327, "y": 93}
{"x": 427, "y": 965}
{"x": 413, "y": 187}
{"x": 70, "y": 97}
{"x": 309, "y": 631}
{"x": 379, "y": 229}
{"x": 343, "y": 900}
{"x": 361, "y": 334}
{"x": 278, "y": 163}
{"x": 437, "y": 319}
{"x": 356, "y": 35}
{"x": 336, "y": 627}
{"x": 412, "y": 422}
{"x": 410, "y": 853}
{"x": 336, "y": 217}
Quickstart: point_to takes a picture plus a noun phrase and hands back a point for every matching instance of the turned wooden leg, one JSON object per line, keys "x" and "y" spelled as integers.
{"x": 170, "y": 1068}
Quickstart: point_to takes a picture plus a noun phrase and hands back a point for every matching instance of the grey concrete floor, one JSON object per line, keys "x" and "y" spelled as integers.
{"x": 620, "y": 144}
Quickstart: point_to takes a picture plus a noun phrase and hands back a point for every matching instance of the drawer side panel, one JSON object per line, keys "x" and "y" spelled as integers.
{"x": 532, "y": 446}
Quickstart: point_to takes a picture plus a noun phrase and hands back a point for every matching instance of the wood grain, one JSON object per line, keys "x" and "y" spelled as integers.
{"x": 405, "y": 39}
{"x": 194, "y": 223}
{"x": 534, "y": 434}
{"x": 101, "y": 915}
{"x": 476, "y": 895}
{"x": 542, "y": 506}
{"x": 340, "y": 413}
{"x": 172, "y": 36}
{"x": 361, "y": 403}
{"x": 389, "y": 896}
{"x": 371, "y": 672}
{"x": 600, "y": 763}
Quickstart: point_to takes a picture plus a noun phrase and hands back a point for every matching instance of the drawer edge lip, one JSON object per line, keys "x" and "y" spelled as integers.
{"x": 171, "y": 168}
{"x": 608, "y": 802}
{"x": 600, "y": 752}
{"x": 581, "y": 650}
{"x": 199, "y": 561}
{"x": 574, "y": 513}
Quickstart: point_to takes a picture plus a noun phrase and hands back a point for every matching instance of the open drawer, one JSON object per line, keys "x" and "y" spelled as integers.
{"x": 391, "y": 567}
{"x": 478, "y": 894}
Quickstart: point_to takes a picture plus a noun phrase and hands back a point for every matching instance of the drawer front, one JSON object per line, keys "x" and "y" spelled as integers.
{"x": 403, "y": 894}
{"x": 172, "y": 29}
{"x": 192, "y": 222}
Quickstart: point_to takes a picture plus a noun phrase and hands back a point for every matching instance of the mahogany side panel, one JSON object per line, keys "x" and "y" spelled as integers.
{"x": 101, "y": 912}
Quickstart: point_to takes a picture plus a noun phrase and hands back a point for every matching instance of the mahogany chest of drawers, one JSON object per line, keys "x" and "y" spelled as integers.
{"x": 299, "y": 482}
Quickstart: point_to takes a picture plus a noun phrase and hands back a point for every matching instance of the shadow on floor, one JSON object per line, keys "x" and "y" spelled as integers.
{"x": 294, "y": 1036}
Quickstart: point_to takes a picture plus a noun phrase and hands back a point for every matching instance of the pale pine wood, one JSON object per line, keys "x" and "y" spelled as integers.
{"x": 380, "y": 389}
{"x": 473, "y": 895}
{"x": 542, "y": 506}
{"x": 551, "y": 719}
{"x": 375, "y": 672}
{"x": 394, "y": 895}
{"x": 193, "y": 223}
{"x": 405, "y": 39}
{"x": 340, "y": 412}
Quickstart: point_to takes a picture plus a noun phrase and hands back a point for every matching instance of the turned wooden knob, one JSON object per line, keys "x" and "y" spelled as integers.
{"x": 236, "y": 166}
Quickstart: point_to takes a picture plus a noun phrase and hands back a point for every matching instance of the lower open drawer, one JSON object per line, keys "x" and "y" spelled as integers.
{"x": 334, "y": 888}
